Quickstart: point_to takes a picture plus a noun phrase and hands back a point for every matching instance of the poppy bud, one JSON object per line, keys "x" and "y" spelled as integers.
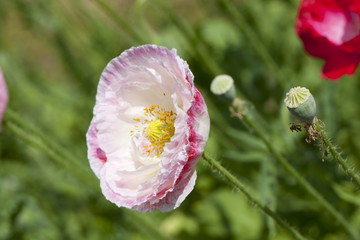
{"x": 223, "y": 86}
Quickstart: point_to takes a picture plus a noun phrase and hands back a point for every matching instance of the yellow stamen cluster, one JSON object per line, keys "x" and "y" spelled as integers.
{"x": 159, "y": 129}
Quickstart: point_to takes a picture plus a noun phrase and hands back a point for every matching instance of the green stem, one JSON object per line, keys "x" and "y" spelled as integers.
{"x": 57, "y": 148}
{"x": 195, "y": 42}
{"x": 259, "y": 47}
{"x": 139, "y": 12}
{"x": 348, "y": 170}
{"x": 234, "y": 181}
{"x": 308, "y": 187}
{"x": 120, "y": 21}
{"x": 39, "y": 144}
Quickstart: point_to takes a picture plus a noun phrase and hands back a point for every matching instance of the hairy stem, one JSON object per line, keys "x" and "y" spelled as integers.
{"x": 234, "y": 181}
{"x": 238, "y": 112}
{"x": 348, "y": 170}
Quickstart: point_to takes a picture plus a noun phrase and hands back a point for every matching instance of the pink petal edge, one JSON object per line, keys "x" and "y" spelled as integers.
{"x": 4, "y": 96}
{"x": 182, "y": 173}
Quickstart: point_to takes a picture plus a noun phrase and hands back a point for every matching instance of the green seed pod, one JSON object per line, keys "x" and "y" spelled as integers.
{"x": 301, "y": 104}
{"x": 223, "y": 87}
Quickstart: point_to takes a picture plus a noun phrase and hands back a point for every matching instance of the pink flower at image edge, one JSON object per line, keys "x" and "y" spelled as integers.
{"x": 330, "y": 29}
{"x": 4, "y": 97}
{"x": 149, "y": 129}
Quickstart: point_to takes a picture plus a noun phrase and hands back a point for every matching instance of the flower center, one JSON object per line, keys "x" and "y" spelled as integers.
{"x": 158, "y": 131}
{"x": 158, "y": 128}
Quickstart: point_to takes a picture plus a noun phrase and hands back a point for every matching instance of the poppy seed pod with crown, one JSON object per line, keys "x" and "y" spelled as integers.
{"x": 301, "y": 104}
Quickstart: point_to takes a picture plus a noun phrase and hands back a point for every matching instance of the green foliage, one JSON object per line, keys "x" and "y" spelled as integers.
{"x": 52, "y": 54}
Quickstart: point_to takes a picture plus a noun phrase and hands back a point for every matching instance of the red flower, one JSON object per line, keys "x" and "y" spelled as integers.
{"x": 330, "y": 29}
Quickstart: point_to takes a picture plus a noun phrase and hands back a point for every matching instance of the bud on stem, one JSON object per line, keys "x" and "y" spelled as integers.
{"x": 223, "y": 87}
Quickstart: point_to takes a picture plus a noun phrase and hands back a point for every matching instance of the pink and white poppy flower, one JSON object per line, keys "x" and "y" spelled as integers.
{"x": 4, "y": 97}
{"x": 149, "y": 129}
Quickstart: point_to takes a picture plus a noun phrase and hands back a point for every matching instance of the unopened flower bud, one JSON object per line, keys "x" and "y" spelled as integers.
{"x": 301, "y": 104}
{"x": 223, "y": 86}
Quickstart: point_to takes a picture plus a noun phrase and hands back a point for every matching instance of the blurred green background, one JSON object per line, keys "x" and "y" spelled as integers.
{"x": 52, "y": 54}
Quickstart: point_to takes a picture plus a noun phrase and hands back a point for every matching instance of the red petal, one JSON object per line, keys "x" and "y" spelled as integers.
{"x": 340, "y": 65}
{"x": 329, "y": 30}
